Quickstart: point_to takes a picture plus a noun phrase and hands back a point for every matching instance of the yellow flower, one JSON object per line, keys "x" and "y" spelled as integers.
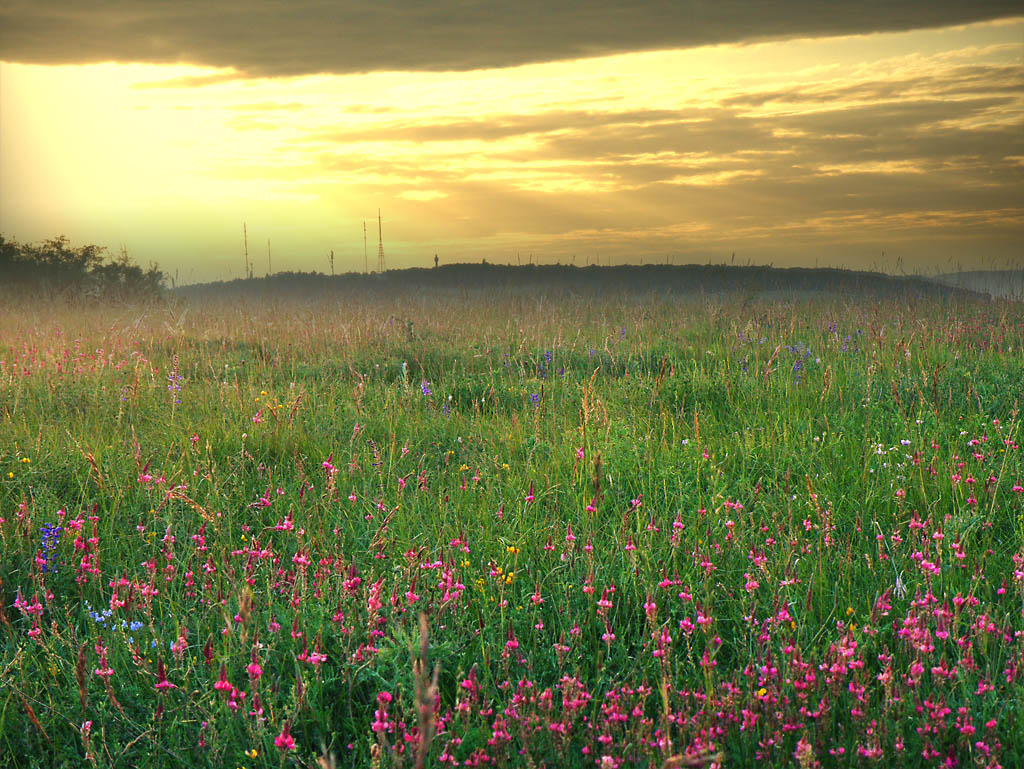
{"x": 849, "y": 610}
{"x": 761, "y": 692}
{"x": 512, "y": 549}
{"x": 10, "y": 475}
{"x": 252, "y": 753}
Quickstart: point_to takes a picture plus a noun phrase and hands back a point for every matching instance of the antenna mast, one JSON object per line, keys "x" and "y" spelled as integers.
{"x": 380, "y": 245}
{"x": 245, "y": 245}
{"x": 366, "y": 261}
{"x": 269, "y": 271}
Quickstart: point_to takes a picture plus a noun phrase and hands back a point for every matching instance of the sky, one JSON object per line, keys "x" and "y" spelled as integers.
{"x": 875, "y": 135}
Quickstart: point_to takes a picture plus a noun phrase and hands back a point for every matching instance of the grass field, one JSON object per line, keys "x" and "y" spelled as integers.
{"x": 483, "y": 530}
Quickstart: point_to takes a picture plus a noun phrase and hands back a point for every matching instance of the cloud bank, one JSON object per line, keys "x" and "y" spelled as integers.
{"x": 273, "y": 38}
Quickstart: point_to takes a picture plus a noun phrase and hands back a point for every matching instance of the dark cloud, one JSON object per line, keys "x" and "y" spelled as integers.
{"x": 272, "y": 38}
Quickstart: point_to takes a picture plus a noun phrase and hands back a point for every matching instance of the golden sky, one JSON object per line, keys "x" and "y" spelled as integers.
{"x": 828, "y": 149}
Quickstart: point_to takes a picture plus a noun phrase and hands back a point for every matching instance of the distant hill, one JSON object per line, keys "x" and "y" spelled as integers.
{"x": 761, "y": 282}
{"x": 1004, "y": 284}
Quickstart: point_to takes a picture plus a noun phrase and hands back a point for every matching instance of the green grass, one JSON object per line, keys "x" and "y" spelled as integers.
{"x": 754, "y": 502}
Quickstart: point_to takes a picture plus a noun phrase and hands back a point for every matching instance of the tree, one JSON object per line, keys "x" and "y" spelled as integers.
{"x": 55, "y": 267}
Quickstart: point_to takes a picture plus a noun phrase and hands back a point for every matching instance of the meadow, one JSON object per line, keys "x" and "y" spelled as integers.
{"x": 538, "y": 530}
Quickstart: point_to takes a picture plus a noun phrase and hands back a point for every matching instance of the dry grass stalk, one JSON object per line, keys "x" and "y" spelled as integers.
{"x": 426, "y": 694}
{"x": 81, "y": 676}
{"x": 699, "y": 760}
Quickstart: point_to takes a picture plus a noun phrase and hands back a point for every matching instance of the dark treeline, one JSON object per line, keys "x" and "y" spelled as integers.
{"x": 765, "y": 282}
{"x": 55, "y": 268}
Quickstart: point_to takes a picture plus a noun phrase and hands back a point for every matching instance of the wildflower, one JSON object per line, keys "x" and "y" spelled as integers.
{"x": 284, "y": 740}
{"x": 804, "y": 753}
{"x": 608, "y": 636}
{"x": 50, "y": 538}
{"x": 162, "y": 684}
{"x": 222, "y": 683}
{"x": 104, "y": 671}
{"x": 257, "y": 707}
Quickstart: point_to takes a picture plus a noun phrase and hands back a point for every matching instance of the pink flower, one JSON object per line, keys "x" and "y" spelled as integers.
{"x": 284, "y": 740}
{"x": 223, "y": 684}
{"x": 162, "y": 684}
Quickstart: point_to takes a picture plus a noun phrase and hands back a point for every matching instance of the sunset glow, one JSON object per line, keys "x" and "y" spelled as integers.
{"x": 828, "y": 150}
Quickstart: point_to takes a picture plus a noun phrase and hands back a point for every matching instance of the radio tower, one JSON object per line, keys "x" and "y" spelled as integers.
{"x": 380, "y": 245}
